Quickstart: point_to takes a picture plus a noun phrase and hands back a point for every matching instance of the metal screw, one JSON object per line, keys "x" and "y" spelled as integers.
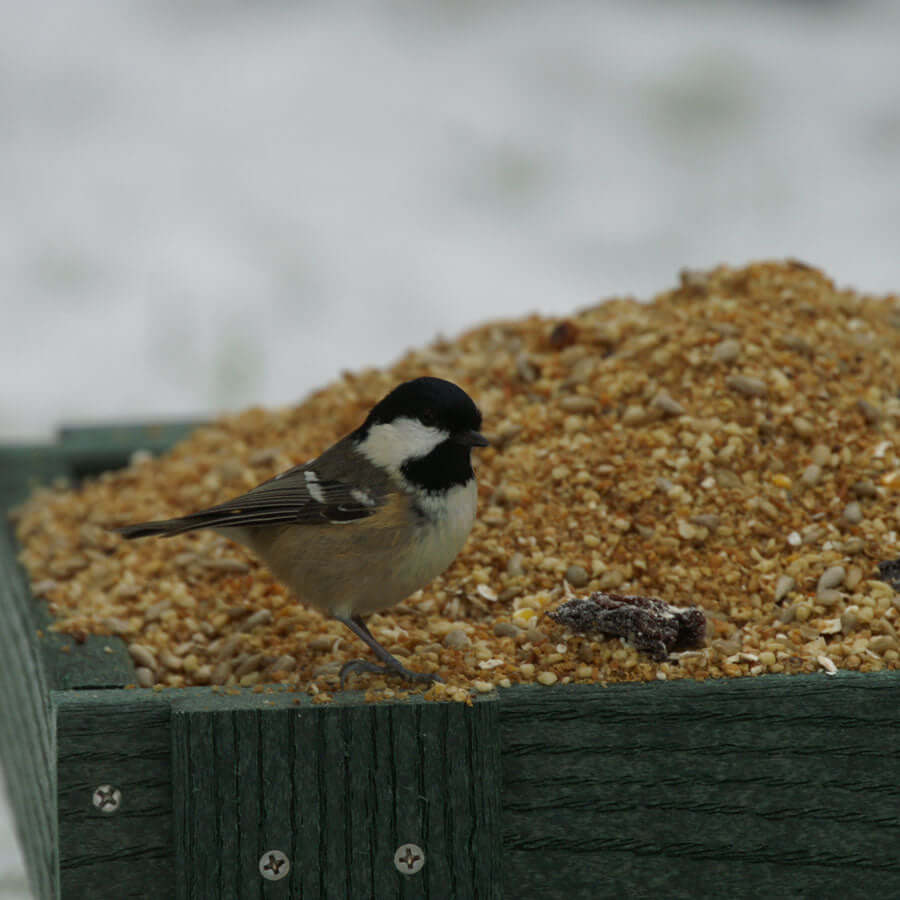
{"x": 107, "y": 798}
{"x": 409, "y": 858}
{"x": 274, "y": 865}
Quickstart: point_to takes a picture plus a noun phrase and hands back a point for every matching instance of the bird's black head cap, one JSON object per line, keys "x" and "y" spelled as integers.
{"x": 441, "y": 405}
{"x": 433, "y": 401}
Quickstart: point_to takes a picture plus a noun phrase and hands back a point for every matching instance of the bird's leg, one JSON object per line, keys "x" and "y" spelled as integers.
{"x": 392, "y": 665}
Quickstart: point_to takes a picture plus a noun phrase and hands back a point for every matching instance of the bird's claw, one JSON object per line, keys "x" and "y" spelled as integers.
{"x": 355, "y": 666}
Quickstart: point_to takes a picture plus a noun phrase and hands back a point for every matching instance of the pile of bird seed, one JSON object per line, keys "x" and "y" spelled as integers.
{"x": 733, "y": 444}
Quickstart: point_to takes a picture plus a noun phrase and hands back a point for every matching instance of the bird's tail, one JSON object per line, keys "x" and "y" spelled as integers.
{"x": 164, "y": 527}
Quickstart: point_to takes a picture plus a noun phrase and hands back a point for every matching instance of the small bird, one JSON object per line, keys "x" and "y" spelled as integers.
{"x": 374, "y": 518}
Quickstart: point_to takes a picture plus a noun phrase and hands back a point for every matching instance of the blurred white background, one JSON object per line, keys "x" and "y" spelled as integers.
{"x": 209, "y": 205}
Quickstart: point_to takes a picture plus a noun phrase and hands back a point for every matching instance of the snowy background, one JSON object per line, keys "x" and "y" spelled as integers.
{"x": 208, "y": 205}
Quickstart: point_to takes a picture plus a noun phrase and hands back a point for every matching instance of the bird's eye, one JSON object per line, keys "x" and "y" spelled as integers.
{"x": 428, "y": 417}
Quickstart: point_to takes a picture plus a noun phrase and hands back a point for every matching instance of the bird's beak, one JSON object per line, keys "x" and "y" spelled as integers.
{"x": 471, "y": 439}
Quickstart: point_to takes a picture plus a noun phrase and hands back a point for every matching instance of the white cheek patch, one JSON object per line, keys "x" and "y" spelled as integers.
{"x": 312, "y": 485}
{"x": 391, "y": 444}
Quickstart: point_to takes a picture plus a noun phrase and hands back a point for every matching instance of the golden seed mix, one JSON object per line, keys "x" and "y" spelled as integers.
{"x": 733, "y": 445}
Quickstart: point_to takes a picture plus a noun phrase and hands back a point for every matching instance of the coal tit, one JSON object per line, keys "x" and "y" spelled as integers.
{"x": 374, "y": 518}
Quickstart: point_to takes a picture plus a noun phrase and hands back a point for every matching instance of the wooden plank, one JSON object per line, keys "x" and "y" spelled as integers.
{"x": 117, "y": 738}
{"x": 484, "y": 807}
{"x": 26, "y": 739}
{"x": 92, "y": 449}
{"x": 337, "y": 789}
{"x": 100, "y": 660}
{"x": 307, "y": 748}
{"x": 772, "y": 786}
{"x": 69, "y": 665}
{"x": 79, "y": 452}
{"x": 25, "y": 466}
{"x": 125, "y": 437}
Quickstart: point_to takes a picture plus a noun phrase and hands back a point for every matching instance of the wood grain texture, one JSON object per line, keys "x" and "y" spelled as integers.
{"x": 777, "y": 786}
{"x": 26, "y": 740}
{"x": 37, "y": 662}
{"x": 336, "y": 788}
{"x": 120, "y": 738}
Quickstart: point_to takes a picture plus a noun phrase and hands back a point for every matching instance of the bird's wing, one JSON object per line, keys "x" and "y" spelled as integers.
{"x": 299, "y": 495}
{"x": 310, "y": 494}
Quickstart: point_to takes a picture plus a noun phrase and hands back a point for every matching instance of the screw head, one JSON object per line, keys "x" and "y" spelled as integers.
{"x": 409, "y": 858}
{"x": 107, "y": 798}
{"x": 274, "y": 865}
